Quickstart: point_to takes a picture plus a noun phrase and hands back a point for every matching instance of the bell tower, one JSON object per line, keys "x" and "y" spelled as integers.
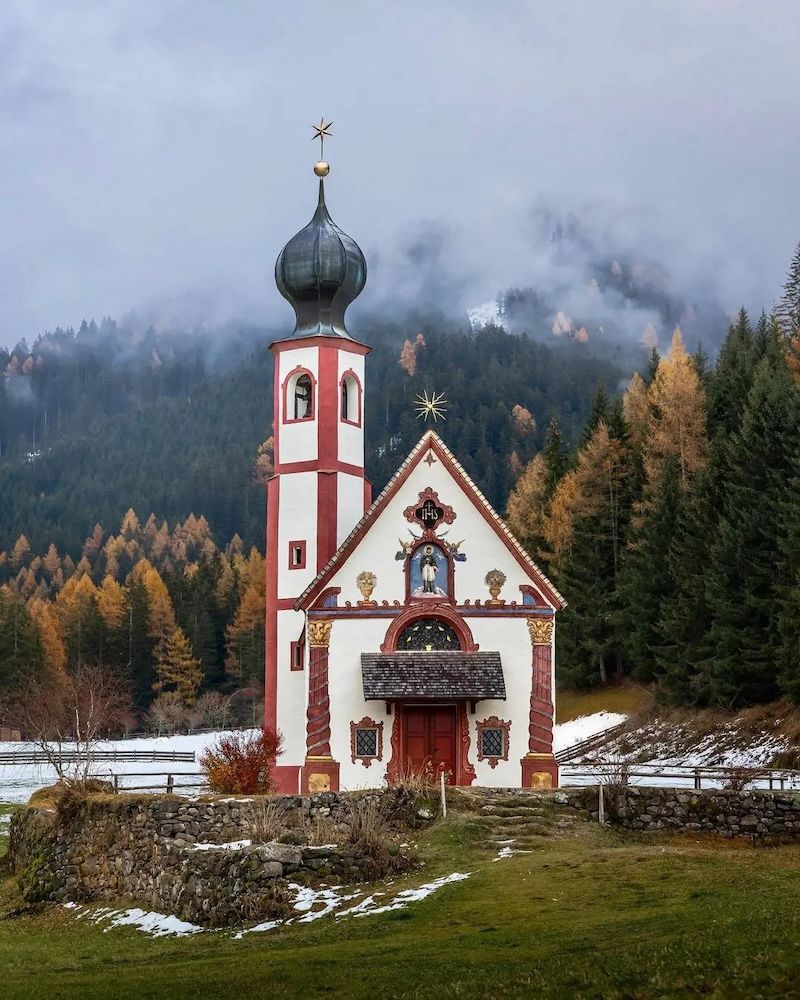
{"x": 318, "y": 491}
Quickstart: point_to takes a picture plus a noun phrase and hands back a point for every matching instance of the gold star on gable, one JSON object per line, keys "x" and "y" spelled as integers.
{"x": 431, "y": 406}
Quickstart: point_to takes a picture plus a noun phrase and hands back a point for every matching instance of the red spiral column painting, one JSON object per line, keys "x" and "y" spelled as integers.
{"x": 320, "y": 772}
{"x": 539, "y": 766}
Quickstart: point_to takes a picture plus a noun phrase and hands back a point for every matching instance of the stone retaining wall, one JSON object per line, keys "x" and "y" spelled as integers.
{"x": 177, "y": 856}
{"x": 728, "y": 813}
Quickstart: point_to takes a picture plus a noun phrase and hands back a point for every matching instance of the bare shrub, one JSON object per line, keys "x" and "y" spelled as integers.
{"x": 212, "y": 709}
{"x": 614, "y": 770}
{"x": 167, "y": 714}
{"x": 68, "y": 715}
{"x": 739, "y": 778}
{"x": 369, "y": 830}
{"x": 324, "y": 830}
{"x": 268, "y": 819}
{"x": 423, "y": 783}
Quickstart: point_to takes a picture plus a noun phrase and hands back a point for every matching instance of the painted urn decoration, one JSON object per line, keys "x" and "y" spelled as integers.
{"x": 366, "y": 582}
{"x": 494, "y": 580}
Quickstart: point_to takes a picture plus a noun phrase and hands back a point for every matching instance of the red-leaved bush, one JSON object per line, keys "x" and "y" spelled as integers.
{"x": 242, "y": 763}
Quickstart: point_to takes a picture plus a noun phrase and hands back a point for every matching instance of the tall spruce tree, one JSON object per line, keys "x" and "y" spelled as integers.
{"x": 744, "y": 586}
{"x": 645, "y": 582}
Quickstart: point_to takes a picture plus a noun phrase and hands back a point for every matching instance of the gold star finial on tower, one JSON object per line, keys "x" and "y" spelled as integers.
{"x": 431, "y": 406}
{"x": 322, "y": 169}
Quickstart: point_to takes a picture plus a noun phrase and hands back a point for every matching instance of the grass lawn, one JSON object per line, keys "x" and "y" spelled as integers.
{"x": 592, "y": 915}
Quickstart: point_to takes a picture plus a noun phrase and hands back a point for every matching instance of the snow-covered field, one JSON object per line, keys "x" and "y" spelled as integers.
{"x": 19, "y": 781}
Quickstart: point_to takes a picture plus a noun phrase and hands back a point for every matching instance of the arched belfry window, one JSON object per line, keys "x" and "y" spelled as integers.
{"x": 351, "y": 399}
{"x": 428, "y": 635}
{"x": 303, "y": 398}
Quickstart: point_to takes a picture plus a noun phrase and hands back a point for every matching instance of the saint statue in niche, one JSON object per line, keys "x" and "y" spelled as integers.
{"x": 428, "y": 570}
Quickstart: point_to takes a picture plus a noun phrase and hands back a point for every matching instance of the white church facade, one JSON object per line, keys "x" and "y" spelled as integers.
{"x": 412, "y": 633}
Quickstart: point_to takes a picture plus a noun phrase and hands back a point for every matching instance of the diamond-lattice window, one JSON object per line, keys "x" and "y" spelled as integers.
{"x": 491, "y": 742}
{"x": 366, "y": 742}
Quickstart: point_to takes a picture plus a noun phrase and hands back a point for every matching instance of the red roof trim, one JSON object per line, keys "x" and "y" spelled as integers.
{"x": 431, "y": 439}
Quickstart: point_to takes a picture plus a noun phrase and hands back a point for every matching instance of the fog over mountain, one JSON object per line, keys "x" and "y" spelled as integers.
{"x": 627, "y": 162}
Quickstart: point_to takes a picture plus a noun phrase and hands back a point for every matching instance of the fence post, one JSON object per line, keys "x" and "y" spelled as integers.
{"x": 116, "y": 784}
{"x": 697, "y": 779}
{"x": 601, "y": 809}
{"x": 444, "y": 797}
{"x": 170, "y": 784}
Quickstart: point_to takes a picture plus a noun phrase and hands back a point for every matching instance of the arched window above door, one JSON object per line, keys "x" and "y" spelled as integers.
{"x": 428, "y": 635}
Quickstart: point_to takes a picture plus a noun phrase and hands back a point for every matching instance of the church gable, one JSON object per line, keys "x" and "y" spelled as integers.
{"x": 431, "y": 537}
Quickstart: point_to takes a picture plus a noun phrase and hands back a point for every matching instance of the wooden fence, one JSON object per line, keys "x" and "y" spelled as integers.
{"x": 590, "y": 743}
{"x": 15, "y": 757}
{"x": 592, "y": 772}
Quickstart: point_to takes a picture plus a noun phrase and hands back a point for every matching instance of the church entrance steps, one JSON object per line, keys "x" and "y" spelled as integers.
{"x": 511, "y": 821}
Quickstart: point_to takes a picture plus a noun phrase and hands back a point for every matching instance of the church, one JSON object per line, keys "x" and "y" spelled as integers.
{"x": 407, "y": 633}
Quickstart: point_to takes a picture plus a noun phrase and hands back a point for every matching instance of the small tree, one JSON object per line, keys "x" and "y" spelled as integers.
{"x": 242, "y": 763}
{"x": 167, "y": 713}
{"x": 178, "y": 669}
{"x": 66, "y": 716}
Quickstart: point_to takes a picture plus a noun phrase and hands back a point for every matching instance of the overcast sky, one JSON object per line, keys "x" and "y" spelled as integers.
{"x": 155, "y": 156}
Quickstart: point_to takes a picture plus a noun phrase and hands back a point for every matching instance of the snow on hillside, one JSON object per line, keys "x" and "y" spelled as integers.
{"x": 567, "y": 734}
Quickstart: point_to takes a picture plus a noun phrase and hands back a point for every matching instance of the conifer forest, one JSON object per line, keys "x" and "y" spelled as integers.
{"x": 659, "y": 491}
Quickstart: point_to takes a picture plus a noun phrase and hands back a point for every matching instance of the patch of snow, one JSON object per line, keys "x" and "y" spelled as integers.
{"x": 232, "y": 845}
{"x": 567, "y": 734}
{"x": 154, "y": 924}
{"x": 147, "y": 921}
{"x": 306, "y": 897}
{"x": 406, "y": 896}
{"x": 486, "y": 314}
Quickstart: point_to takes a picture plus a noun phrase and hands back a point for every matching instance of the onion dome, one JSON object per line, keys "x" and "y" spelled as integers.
{"x": 320, "y": 271}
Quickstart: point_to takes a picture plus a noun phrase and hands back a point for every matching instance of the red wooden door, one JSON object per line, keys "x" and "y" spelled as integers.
{"x": 430, "y": 739}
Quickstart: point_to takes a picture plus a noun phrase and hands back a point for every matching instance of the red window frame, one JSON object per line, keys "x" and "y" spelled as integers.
{"x": 350, "y": 374}
{"x": 299, "y": 370}
{"x": 298, "y": 543}
{"x": 296, "y": 655}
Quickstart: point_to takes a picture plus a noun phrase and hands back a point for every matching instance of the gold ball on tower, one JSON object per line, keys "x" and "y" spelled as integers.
{"x": 322, "y": 169}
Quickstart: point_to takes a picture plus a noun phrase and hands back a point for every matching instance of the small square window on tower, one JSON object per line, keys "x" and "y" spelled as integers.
{"x": 297, "y": 555}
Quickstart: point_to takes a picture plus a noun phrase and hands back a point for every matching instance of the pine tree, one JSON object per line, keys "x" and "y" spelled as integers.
{"x": 138, "y": 643}
{"x": 744, "y": 586}
{"x": 645, "y": 581}
{"x": 555, "y": 455}
{"x": 81, "y": 622}
{"x": 601, "y": 407}
{"x": 584, "y": 532}
{"x": 788, "y": 308}
{"x": 21, "y": 653}
{"x": 653, "y": 361}
{"x": 177, "y": 669}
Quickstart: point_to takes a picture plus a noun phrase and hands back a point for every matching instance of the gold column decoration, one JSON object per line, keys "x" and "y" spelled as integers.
{"x": 541, "y": 631}
{"x": 319, "y": 634}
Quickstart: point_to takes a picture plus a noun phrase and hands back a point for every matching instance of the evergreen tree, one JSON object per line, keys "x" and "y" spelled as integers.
{"x": 139, "y": 644}
{"x": 744, "y": 586}
{"x": 21, "y": 652}
{"x": 645, "y": 581}
{"x": 788, "y": 308}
